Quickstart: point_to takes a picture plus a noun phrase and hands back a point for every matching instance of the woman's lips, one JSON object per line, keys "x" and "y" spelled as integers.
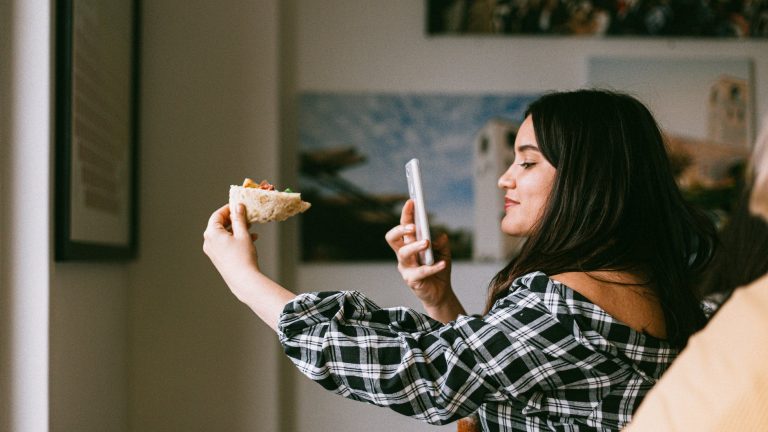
{"x": 509, "y": 203}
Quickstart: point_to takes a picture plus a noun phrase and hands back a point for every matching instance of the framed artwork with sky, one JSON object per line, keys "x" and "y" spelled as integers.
{"x": 353, "y": 149}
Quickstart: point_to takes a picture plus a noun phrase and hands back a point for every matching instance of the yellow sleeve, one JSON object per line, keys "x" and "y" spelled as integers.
{"x": 720, "y": 380}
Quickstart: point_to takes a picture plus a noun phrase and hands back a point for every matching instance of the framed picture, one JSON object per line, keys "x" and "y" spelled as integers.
{"x": 96, "y": 129}
{"x": 608, "y": 18}
{"x": 353, "y": 150}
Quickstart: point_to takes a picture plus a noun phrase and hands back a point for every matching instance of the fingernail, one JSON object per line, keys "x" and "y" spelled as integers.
{"x": 409, "y": 228}
{"x": 241, "y": 209}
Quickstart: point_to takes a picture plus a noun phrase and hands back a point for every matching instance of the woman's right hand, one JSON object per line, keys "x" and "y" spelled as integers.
{"x": 230, "y": 247}
{"x": 431, "y": 284}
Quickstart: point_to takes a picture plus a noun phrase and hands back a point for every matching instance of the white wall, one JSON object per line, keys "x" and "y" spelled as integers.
{"x": 368, "y": 45}
{"x": 24, "y": 214}
{"x": 70, "y": 345}
{"x": 63, "y": 327}
{"x": 200, "y": 360}
{"x": 89, "y": 347}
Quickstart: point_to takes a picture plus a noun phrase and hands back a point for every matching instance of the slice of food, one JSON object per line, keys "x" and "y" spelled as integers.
{"x": 263, "y": 203}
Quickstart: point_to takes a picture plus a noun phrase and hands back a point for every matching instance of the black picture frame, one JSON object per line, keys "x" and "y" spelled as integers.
{"x": 96, "y": 130}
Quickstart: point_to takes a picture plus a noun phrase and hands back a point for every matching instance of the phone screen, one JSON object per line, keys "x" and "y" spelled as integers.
{"x": 416, "y": 192}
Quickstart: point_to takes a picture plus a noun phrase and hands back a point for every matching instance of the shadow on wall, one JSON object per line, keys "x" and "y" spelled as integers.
{"x": 6, "y": 296}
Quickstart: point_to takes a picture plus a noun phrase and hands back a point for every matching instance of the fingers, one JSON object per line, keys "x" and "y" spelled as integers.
{"x": 409, "y": 252}
{"x": 401, "y": 240}
{"x": 219, "y": 218}
{"x": 412, "y": 275}
{"x": 406, "y": 216}
{"x": 396, "y": 236}
{"x": 223, "y": 218}
{"x": 217, "y": 225}
{"x": 406, "y": 219}
{"x": 222, "y": 245}
{"x": 404, "y": 233}
{"x": 239, "y": 223}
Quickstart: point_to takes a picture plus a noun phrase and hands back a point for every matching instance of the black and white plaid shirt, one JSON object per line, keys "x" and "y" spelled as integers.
{"x": 544, "y": 358}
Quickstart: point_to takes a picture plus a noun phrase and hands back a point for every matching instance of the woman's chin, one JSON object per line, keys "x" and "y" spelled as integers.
{"x": 513, "y": 230}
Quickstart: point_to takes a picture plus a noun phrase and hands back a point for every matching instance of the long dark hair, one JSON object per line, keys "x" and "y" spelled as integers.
{"x": 614, "y": 205}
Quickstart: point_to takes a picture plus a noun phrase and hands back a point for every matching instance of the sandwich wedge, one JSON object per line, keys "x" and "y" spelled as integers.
{"x": 263, "y": 203}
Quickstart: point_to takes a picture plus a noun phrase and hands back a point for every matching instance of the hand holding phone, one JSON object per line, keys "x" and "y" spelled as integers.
{"x": 413, "y": 174}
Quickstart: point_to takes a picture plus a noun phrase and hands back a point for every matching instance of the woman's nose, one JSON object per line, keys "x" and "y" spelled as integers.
{"x": 507, "y": 180}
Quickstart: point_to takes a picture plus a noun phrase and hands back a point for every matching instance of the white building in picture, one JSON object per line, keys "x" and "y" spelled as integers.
{"x": 728, "y": 119}
{"x": 493, "y": 152}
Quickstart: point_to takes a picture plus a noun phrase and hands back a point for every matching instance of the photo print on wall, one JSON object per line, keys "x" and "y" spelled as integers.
{"x": 706, "y": 112}
{"x": 609, "y": 18}
{"x": 353, "y": 150}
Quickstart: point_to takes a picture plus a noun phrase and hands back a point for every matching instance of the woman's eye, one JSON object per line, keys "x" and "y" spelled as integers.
{"x": 527, "y": 165}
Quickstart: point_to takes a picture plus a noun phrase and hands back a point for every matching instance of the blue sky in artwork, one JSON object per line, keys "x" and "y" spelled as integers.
{"x": 390, "y": 129}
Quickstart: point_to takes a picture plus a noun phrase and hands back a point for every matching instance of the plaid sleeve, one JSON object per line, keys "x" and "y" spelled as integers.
{"x": 394, "y": 357}
{"x": 437, "y": 372}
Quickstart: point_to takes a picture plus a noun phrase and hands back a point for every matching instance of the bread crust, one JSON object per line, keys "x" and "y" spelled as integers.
{"x": 262, "y": 206}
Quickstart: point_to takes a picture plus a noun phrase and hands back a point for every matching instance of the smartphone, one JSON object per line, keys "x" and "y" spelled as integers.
{"x": 413, "y": 174}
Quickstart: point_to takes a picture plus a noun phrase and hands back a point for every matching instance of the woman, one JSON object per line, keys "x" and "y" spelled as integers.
{"x": 720, "y": 382}
{"x": 577, "y": 328}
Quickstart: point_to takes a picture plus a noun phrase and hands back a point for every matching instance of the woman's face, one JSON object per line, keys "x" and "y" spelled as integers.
{"x": 526, "y": 183}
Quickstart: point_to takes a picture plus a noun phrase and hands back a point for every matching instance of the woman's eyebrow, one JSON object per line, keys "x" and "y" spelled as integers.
{"x": 525, "y": 147}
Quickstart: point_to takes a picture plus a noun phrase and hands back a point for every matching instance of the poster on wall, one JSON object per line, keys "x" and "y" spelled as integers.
{"x": 706, "y": 111}
{"x": 610, "y": 18}
{"x": 353, "y": 151}
{"x": 96, "y": 130}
